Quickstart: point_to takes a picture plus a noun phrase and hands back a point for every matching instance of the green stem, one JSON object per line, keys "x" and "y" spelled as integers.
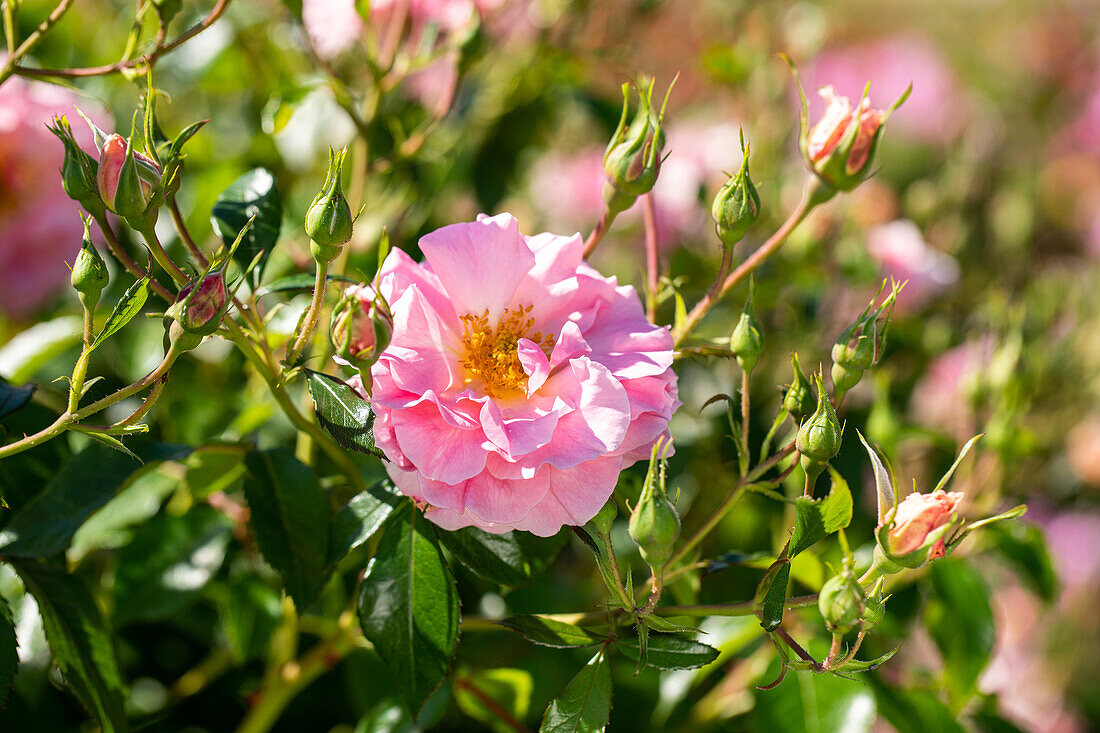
{"x": 9, "y": 24}
{"x": 132, "y": 267}
{"x": 744, "y": 458}
{"x": 32, "y": 40}
{"x": 598, "y": 233}
{"x": 149, "y": 234}
{"x": 313, "y": 314}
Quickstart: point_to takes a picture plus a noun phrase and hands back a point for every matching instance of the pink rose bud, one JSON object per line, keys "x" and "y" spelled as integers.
{"x": 199, "y": 309}
{"x": 921, "y": 521}
{"x": 125, "y": 178}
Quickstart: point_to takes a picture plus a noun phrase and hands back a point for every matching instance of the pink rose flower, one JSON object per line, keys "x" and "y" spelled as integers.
{"x": 830, "y": 129}
{"x": 902, "y": 253}
{"x": 333, "y": 26}
{"x": 519, "y": 381}
{"x": 941, "y": 398}
{"x": 40, "y": 228}
{"x": 918, "y": 516}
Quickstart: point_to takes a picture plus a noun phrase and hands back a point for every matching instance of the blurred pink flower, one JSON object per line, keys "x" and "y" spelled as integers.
{"x": 698, "y": 153}
{"x": 40, "y": 228}
{"x": 519, "y": 381}
{"x": 566, "y": 187}
{"x": 901, "y": 252}
{"x": 932, "y": 112}
{"x": 1083, "y": 450}
{"x": 333, "y": 26}
{"x": 940, "y": 399}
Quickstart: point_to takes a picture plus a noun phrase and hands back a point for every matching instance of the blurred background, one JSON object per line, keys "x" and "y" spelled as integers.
{"x": 986, "y": 199}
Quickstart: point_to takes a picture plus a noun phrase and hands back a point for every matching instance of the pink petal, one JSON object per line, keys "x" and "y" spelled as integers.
{"x": 440, "y": 451}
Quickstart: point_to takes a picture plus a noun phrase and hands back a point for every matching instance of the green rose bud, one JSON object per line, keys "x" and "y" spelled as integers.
{"x": 78, "y": 171}
{"x": 860, "y": 345}
{"x": 605, "y": 517}
{"x": 633, "y": 156}
{"x": 747, "y": 339}
{"x": 799, "y": 399}
{"x": 737, "y": 205}
{"x": 842, "y": 602}
{"x": 362, "y": 326}
{"x": 654, "y": 524}
{"x": 819, "y": 437}
{"x": 328, "y": 220}
{"x": 89, "y": 275}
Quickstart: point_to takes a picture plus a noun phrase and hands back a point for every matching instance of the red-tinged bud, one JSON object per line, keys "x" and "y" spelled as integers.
{"x": 127, "y": 180}
{"x": 921, "y": 521}
{"x": 199, "y": 308}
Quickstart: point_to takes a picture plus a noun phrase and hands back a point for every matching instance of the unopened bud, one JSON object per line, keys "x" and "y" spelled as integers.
{"x": 89, "y": 275}
{"x": 78, "y": 171}
{"x": 860, "y": 345}
{"x": 799, "y": 399}
{"x": 127, "y": 180}
{"x": 654, "y": 524}
{"x": 914, "y": 532}
{"x": 362, "y": 326}
{"x": 199, "y": 307}
{"x": 328, "y": 220}
{"x": 605, "y": 517}
{"x": 737, "y": 205}
{"x": 633, "y": 156}
{"x": 819, "y": 437}
{"x": 747, "y": 339}
{"x": 842, "y": 602}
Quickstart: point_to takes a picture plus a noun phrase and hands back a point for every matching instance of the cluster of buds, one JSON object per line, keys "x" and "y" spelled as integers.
{"x": 736, "y": 207}
{"x": 328, "y": 219}
{"x": 633, "y": 156}
{"x": 362, "y": 326}
{"x": 89, "y": 275}
{"x": 654, "y": 524}
{"x": 798, "y": 400}
{"x": 860, "y": 345}
{"x": 839, "y": 149}
{"x": 819, "y": 437}
{"x": 747, "y": 339}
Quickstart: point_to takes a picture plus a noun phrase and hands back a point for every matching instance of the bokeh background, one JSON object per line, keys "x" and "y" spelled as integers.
{"x": 987, "y": 200}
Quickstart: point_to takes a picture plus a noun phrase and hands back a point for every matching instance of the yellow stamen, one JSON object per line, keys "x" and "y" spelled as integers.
{"x": 491, "y": 353}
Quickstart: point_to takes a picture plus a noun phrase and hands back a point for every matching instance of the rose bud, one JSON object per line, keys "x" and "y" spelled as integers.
{"x": 916, "y": 528}
{"x": 860, "y": 345}
{"x": 329, "y": 220}
{"x": 126, "y": 179}
{"x": 747, "y": 339}
{"x": 654, "y": 524}
{"x": 737, "y": 205}
{"x": 799, "y": 399}
{"x": 842, "y": 602}
{"x": 819, "y": 437}
{"x": 199, "y": 309}
{"x": 840, "y": 147}
{"x": 89, "y": 275}
{"x": 605, "y": 518}
{"x": 78, "y": 171}
{"x": 633, "y": 156}
{"x": 362, "y": 326}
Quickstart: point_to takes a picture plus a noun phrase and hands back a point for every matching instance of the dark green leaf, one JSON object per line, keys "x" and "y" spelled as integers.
{"x": 814, "y": 520}
{"x": 1025, "y": 549}
{"x": 45, "y": 524}
{"x": 357, "y": 521}
{"x": 9, "y": 653}
{"x": 253, "y": 194}
{"x": 495, "y": 557}
{"x": 989, "y": 722}
{"x": 585, "y": 704}
{"x": 408, "y": 607}
{"x": 541, "y": 551}
{"x": 168, "y": 562}
{"x": 251, "y": 614}
{"x": 12, "y": 398}
{"x": 80, "y": 642}
{"x": 668, "y": 652}
{"x": 551, "y": 632}
{"x": 128, "y": 306}
{"x": 290, "y": 517}
{"x": 772, "y": 594}
{"x": 300, "y": 281}
{"x": 342, "y": 412}
{"x": 961, "y": 623}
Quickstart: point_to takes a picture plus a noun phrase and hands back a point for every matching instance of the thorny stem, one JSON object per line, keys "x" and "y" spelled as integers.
{"x": 132, "y": 267}
{"x": 744, "y": 420}
{"x": 795, "y": 646}
{"x": 313, "y": 315}
{"x": 598, "y": 233}
{"x": 652, "y": 261}
{"x": 150, "y": 236}
{"x": 28, "y": 45}
{"x": 658, "y": 584}
{"x": 810, "y": 199}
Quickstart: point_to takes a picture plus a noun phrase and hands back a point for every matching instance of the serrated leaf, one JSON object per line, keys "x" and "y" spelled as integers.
{"x": 45, "y": 524}
{"x": 168, "y": 561}
{"x": 80, "y": 641}
{"x": 290, "y": 517}
{"x": 110, "y": 441}
{"x": 584, "y": 706}
{"x": 12, "y": 398}
{"x": 494, "y": 557}
{"x": 408, "y": 606}
{"x": 300, "y": 281}
{"x": 128, "y": 306}
{"x": 343, "y": 413}
{"x": 859, "y": 665}
{"x": 551, "y": 632}
{"x": 668, "y": 652}
{"x": 9, "y": 652}
{"x": 814, "y": 520}
{"x": 360, "y": 518}
{"x": 252, "y": 195}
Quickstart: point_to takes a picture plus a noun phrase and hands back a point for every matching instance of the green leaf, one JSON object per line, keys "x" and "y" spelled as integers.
{"x": 9, "y": 652}
{"x": 12, "y": 398}
{"x": 128, "y": 306}
{"x": 250, "y": 615}
{"x": 859, "y": 665}
{"x": 494, "y": 557}
{"x": 360, "y": 518}
{"x": 585, "y": 704}
{"x": 290, "y": 517}
{"x": 168, "y": 562}
{"x": 300, "y": 281}
{"x": 1025, "y": 549}
{"x": 913, "y": 711}
{"x": 342, "y": 412}
{"x": 812, "y": 703}
{"x": 814, "y": 520}
{"x": 80, "y": 641}
{"x": 27, "y": 351}
{"x": 668, "y": 652}
{"x": 408, "y": 607}
{"x": 45, "y": 524}
{"x": 506, "y": 688}
{"x": 253, "y": 194}
{"x": 960, "y": 621}
{"x": 772, "y": 594}
{"x": 551, "y": 632}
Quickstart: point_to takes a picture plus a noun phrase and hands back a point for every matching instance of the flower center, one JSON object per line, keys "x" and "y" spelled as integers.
{"x": 492, "y": 354}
